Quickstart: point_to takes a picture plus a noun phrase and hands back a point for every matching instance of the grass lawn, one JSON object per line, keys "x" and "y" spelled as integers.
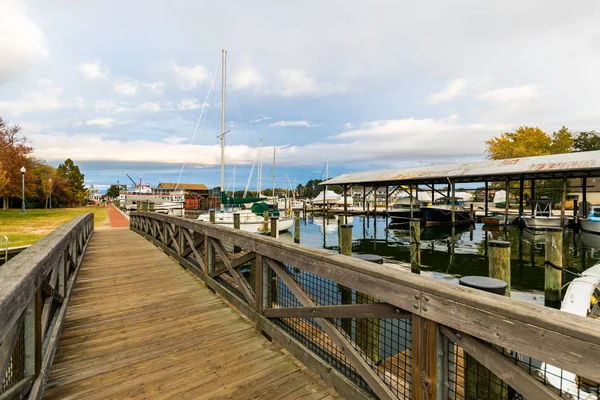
{"x": 24, "y": 229}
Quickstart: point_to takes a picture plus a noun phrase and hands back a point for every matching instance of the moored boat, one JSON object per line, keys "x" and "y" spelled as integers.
{"x": 440, "y": 212}
{"x": 592, "y": 223}
{"x": 498, "y": 220}
{"x": 542, "y": 217}
{"x": 401, "y": 210}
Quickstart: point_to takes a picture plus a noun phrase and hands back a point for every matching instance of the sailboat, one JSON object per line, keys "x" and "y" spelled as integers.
{"x": 251, "y": 220}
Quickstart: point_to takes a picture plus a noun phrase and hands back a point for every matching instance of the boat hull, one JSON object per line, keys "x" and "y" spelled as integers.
{"x": 404, "y": 215}
{"x": 590, "y": 226}
{"x": 248, "y": 222}
{"x": 537, "y": 223}
{"x": 437, "y": 216}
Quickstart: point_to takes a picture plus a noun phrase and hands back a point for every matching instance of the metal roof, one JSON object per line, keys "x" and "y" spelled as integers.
{"x": 539, "y": 167}
{"x": 184, "y": 186}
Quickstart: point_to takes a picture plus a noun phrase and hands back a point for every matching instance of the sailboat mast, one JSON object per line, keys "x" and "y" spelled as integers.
{"x": 223, "y": 69}
{"x": 259, "y": 176}
{"x": 274, "y": 148}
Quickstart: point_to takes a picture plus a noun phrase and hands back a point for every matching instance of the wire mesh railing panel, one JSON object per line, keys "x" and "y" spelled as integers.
{"x": 384, "y": 344}
{"x": 16, "y": 368}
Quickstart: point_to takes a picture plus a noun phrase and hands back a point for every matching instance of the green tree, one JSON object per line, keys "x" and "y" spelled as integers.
{"x": 587, "y": 141}
{"x": 113, "y": 192}
{"x": 525, "y": 141}
{"x": 562, "y": 141}
{"x": 75, "y": 180}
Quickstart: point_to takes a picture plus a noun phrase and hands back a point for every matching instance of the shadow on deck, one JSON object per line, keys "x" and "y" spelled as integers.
{"x": 139, "y": 325}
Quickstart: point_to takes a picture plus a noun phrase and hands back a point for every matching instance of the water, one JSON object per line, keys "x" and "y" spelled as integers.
{"x": 448, "y": 257}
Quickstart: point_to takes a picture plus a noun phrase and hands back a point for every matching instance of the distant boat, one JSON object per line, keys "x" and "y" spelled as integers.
{"x": 440, "y": 212}
{"x": 500, "y": 199}
{"x": 327, "y": 197}
{"x": 582, "y": 298}
{"x": 498, "y": 220}
{"x": 592, "y": 223}
{"x": 542, "y": 217}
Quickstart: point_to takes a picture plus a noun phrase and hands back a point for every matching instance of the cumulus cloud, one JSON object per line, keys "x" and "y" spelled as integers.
{"x": 148, "y": 107}
{"x": 348, "y": 125}
{"x": 188, "y": 78}
{"x": 190, "y": 104}
{"x": 51, "y": 98}
{"x": 285, "y": 124}
{"x": 93, "y": 71}
{"x": 155, "y": 87}
{"x": 453, "y": 89}
{"x": 22, "y": 41}
{"x": 126, "y": 89}
{"x": 247, "y": 78}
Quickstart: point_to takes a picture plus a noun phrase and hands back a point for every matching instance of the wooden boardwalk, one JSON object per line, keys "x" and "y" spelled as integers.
{"x": 140, "y": 326}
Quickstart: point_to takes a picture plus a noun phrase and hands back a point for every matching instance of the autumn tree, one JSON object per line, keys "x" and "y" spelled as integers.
{"x": 4, "y": 180}
{"x": 14, "y": 152}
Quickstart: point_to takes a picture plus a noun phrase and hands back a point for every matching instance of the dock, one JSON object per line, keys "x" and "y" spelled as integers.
{"x": 174, "y": 308}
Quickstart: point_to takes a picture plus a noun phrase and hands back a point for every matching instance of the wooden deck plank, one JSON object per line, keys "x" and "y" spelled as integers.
{"x": 140, "y": 326}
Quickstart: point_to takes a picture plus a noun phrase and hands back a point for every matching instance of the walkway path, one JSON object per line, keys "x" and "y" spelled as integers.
{"x": 140, "y": 326}
{"x": 117, "y": 219}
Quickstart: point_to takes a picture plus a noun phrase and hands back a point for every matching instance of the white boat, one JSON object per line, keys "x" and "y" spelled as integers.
{"x": 592, "y": 223}
{"x": 542, "y": 217}
{"x": 500, "y": 199}
{"x": 250, "y": 220}
{"x": 349, "y": 201}
{"x": 582, "y": 298}
{"x": 327, "y": 197}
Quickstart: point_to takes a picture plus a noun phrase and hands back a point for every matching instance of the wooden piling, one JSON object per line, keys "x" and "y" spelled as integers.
{"x": 345, "y": 248}
{"x": 506, "y": 203}
{"x": 274, "y": 227}
{"x": 137, "y": 206}
{"x": 266, "y": 222}
{"x": 453, "y": 200}
{"x": 212, "y": 216}
{"x": 236, "y": 225}
{"x": 346, "y": 240}
{"x": 415, "y": 246}
{"x": 471, "y": 212}
{"x": 151, "y": 207}
{"x": 554, "y": 266}
{"x": 499, "y": 261}
{"x": 564, "y": 201}
{"x": 296, "y": 227}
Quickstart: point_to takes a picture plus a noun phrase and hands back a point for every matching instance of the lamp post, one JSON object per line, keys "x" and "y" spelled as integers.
{"x": 23, "y": 170}
{"x": 51, "y": 190}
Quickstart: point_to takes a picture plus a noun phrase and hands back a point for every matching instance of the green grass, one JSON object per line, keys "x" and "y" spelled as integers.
{"x": 24, "y": 229}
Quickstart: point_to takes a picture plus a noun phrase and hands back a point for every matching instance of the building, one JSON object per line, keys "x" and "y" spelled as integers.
{"x": 196, "y": 194}
{"x": 94, "y": 196}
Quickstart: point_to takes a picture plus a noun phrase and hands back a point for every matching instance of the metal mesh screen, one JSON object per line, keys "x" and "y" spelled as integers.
{"x": 16, "y": 368}
{"x": 383, "y": 343}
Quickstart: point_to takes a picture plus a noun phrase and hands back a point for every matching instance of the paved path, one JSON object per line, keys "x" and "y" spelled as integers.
{"x": 140, "y": 326}
{"x": 117, "y": 219}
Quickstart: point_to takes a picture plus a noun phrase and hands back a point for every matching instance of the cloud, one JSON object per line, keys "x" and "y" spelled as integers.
{"x": 93, "y": 71}
{"x": 22, "y": 42}
{"x": 453, "y": 89}
{"x": 126, "y": 89}
{"x": 105, "y": 122}
{"x": 190, "y": 104}
{"x": 247, "y": 78}
{"x": 49, "y": 99}
{"x": 155, "y": 87}
{"x": 188, "y": 78}
{"x": 286, "y": 124}
{"x": 348, "y": 125}
{"x": 148, "y": 107}
{"x": 516, "y": 93}
{"x": 260, "y": 118}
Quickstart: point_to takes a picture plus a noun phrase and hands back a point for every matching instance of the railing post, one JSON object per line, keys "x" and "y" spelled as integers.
{"x": 424, "y": 358}
{"x": 345, "y": 248}
{"x": 209, "y": 251}
{"x": 33, "y": 335}
{"x": 212, "y": 216}
{"x": 260, "y": 288}
{"x": 554, "y": 266}
{"x": 415, "y": 246}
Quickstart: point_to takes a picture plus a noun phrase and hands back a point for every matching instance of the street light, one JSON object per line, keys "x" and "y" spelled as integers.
{"x": 51, "y": 189}
{"x": 23, "y": 170}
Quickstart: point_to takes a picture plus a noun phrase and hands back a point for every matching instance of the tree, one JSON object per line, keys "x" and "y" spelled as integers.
{"x": 113, "y": 192}
{"x": 75, "y": 180}
{"x": 13, "y": 153}
{"x": 587, "y": 141}
{"x": 562, "y": 141}
{"x": 525, "y": 141}
{"x": 4, "y": 181}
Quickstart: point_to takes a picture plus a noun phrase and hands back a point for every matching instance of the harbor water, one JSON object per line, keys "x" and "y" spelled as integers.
{"x": 448, "y": 254}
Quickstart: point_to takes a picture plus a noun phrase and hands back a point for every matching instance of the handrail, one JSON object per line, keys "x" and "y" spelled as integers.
{"x": 469, "y": 318}
{"x": 30, "y": 284}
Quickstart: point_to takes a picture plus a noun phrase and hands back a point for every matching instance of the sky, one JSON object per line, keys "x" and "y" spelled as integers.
{"x": 134, "y": 87}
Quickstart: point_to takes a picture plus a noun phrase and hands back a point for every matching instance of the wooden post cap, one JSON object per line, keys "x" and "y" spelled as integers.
{"x": 346, "y": 225}
{"x": 490, "y": 285}
{"x": 498, "y": 243}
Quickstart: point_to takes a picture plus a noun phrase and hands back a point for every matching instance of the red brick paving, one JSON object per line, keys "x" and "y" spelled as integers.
{"x": 117, "y": 219}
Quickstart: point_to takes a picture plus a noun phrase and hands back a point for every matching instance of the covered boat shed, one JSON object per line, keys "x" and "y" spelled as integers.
{"x": 557, "y": 166}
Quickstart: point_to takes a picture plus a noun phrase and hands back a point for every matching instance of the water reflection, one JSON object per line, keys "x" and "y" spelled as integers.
{"x": 451, "y": 253}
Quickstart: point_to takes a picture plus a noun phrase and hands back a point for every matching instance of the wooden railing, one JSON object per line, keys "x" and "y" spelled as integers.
{"x": 35, "y": 287}
{"x": 370, "y": 329}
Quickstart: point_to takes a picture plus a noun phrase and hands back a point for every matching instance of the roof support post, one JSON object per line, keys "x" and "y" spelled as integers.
{"x": 364, "y": 198}
{"x": 345, "y": 203}
{"x": 533, "y": 197}
{"x": 453, "y": 200}
{"x": 564, "y": 200}
{"x": 507, "y": 202}
{"x": 584, "y": 198}
{"x": 387, "y": 197}
{"x": 521, "y": 184}
{"x": 487, "y": 198}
